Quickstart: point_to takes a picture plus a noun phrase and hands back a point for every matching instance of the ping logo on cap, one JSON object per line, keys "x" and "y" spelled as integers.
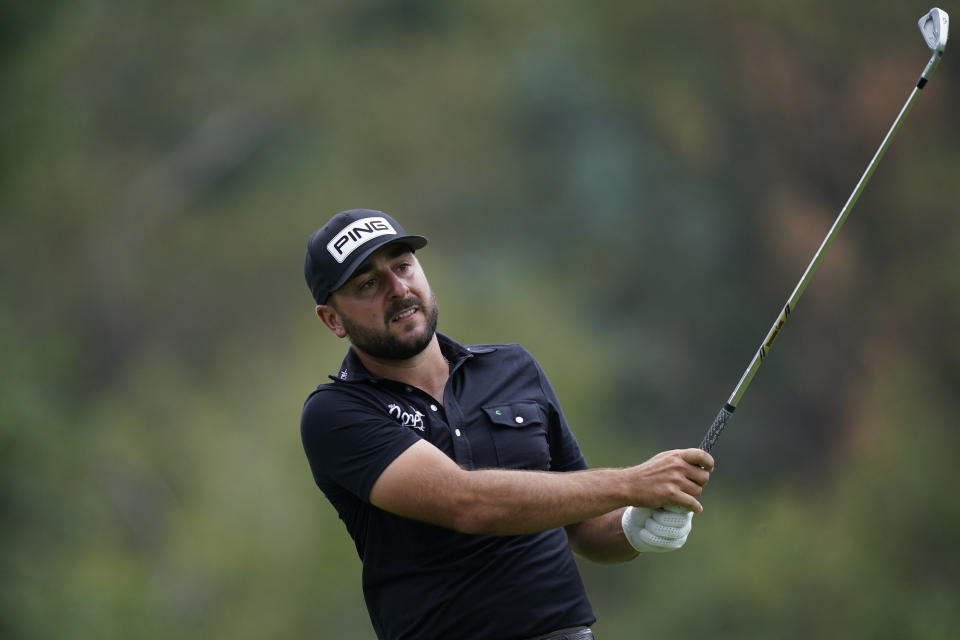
{"x": 357, "y": 233}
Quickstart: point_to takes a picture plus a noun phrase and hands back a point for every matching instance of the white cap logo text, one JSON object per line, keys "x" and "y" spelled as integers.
{"x": 357, "y": 233}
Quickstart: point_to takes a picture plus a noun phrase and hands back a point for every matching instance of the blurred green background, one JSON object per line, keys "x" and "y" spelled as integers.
{"x": 631, "y": 190}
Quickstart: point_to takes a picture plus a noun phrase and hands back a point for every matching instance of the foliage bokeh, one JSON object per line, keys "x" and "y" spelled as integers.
{"x": 628, "y": 189}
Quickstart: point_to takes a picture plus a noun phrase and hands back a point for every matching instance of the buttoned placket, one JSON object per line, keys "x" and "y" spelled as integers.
{"x": 462, "y": 451}
{"x": 451, "y": 416}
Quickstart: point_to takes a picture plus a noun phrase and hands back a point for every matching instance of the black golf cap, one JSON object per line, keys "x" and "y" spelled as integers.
{"x": 336, "y": 250}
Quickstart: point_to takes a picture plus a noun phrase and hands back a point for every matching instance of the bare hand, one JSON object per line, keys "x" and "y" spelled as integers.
{"x": 674, "y": 477}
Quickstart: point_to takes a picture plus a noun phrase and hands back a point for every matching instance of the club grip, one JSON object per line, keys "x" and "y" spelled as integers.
{"x": 717, "y": 427}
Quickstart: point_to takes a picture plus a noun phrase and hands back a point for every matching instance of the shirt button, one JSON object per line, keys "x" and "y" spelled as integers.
{"x": 433, "y": 407}
{"x": 457, "y": 431}
{"x": 519, "y": 420}
{"x": 408, "y": 389}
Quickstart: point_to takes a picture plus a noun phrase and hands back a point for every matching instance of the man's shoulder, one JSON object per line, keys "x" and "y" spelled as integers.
{"x": 335, "y": 406}
{"x": 499, "y": 354}
{"x": 506, "y": 349}
{"x": 335, "y": 393}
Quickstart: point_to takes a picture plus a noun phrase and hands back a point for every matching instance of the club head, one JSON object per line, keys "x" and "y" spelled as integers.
{"x": 934, "y": 26}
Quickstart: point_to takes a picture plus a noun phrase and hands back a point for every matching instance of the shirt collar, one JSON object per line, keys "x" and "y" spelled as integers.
{"x": 352, "y": 369}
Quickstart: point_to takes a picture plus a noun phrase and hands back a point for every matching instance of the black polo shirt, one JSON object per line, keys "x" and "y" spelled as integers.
{"x": 423, "y": 581}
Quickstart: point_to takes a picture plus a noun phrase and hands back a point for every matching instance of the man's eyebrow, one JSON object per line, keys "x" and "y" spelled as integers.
{"x": 392, "y": 253}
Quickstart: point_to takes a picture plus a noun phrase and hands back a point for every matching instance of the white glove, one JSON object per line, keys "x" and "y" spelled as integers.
{"x": 656, "y": 530}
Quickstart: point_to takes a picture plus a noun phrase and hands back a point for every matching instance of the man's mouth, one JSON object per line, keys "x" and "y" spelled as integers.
{"x": 403, "y": 315}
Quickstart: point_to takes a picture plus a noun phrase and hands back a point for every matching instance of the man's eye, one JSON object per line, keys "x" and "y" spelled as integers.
{"x": 368, "y": 284}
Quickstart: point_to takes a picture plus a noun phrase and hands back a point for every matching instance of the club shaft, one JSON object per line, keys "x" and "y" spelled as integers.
{"x": 761, "y": 353}
{"x": 725, "y": 412}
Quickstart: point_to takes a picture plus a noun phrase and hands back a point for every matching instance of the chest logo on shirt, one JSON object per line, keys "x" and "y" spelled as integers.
{"x": 413, "y": 420}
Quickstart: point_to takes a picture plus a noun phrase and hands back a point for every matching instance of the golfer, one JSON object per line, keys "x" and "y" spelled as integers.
{"x": 452, "y": 466}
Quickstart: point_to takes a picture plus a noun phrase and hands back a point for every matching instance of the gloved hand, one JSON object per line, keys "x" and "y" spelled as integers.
{"x": 656, "y": 530}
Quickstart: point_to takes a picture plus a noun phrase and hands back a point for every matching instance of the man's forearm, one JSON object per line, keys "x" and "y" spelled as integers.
{"x": 509, "y": 502}
{"x": 424, "y": 484}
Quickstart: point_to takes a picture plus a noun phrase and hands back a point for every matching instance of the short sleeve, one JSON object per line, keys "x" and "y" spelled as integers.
{"x": 349, "y": 442}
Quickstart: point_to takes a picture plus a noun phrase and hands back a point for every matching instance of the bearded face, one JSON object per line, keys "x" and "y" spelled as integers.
{"x": 408, "y": 327}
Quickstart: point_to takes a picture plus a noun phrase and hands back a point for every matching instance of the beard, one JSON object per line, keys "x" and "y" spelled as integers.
{"x": 384, "y": 345}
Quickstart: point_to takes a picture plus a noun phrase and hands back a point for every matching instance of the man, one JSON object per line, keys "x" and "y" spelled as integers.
{"x": 453, "y": 467}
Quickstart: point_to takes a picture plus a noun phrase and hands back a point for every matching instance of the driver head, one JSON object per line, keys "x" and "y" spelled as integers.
{"x": 934, "y": 26}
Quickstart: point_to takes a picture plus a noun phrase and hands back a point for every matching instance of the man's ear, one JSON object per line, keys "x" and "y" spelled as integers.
{"x": 329, "y": 316}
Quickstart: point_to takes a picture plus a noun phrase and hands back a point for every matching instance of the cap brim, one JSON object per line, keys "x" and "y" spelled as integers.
{"x": 415, "y": 242}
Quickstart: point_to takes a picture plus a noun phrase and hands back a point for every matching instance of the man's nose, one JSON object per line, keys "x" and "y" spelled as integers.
{"x": 397, "y": 286}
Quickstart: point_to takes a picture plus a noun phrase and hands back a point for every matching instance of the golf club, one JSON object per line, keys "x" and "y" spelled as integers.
{"x": 934, "y": 26}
